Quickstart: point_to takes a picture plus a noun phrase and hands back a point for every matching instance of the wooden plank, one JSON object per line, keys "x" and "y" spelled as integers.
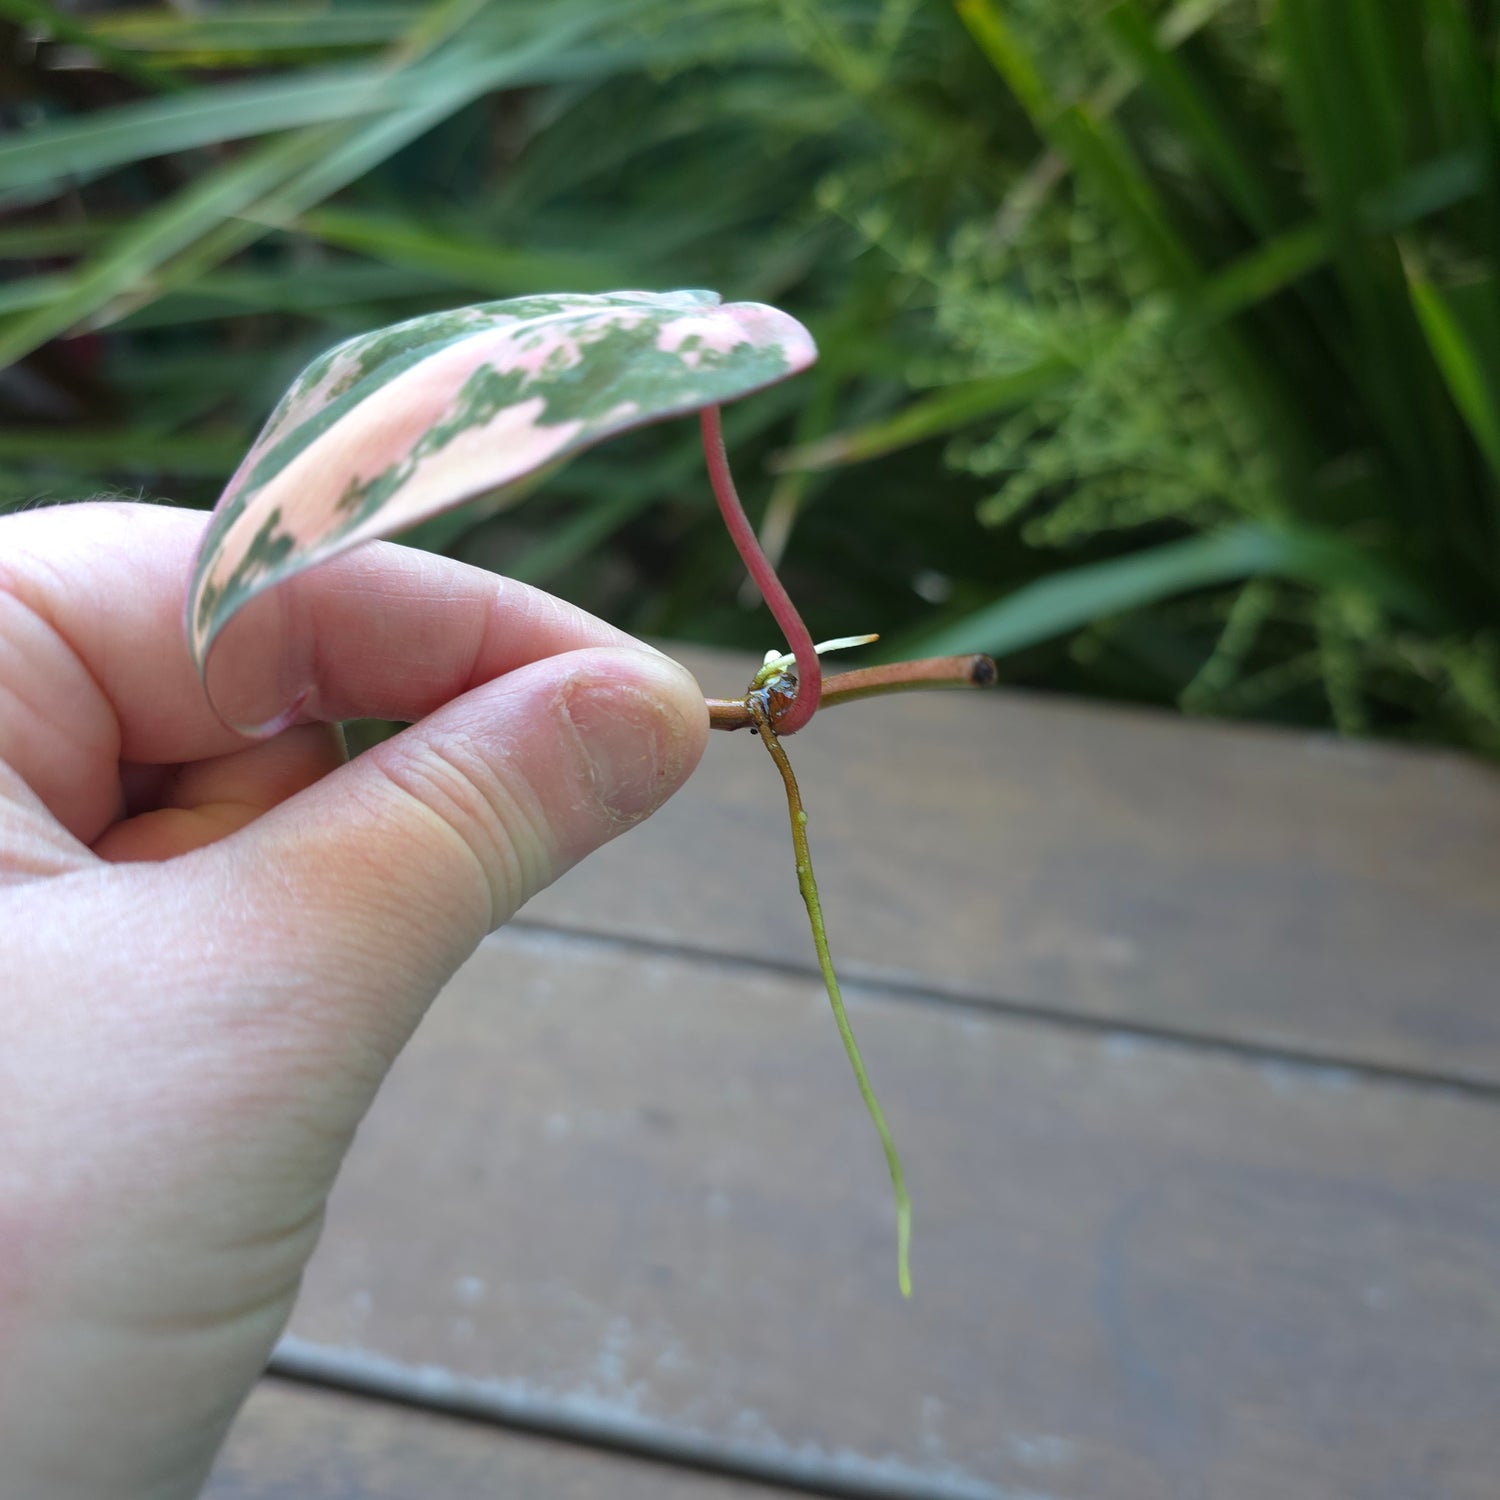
{"x": 296, "y": 1443}
{"x": 1285, "y": 890}
{"x": 642, "y": 1187}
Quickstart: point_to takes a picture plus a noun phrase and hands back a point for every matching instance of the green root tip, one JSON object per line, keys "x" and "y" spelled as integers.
{"x": 903, "y": 1246}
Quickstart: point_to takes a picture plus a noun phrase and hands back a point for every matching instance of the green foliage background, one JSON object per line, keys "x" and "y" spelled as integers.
{"x": 1161, "y": 342}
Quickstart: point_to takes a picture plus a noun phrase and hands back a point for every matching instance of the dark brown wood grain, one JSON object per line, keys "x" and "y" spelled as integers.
{"x": 1285, "y": 890}
{"x": 640, "y": 1186}
{"x": 296, "y": 1443}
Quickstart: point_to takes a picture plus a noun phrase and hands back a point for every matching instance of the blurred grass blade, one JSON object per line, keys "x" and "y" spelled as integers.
{"x": 1201, "y": 118}
{"x": 351, "y": 296}
{"x": 1026, "y": 194}
{"x": 1089, "y": 143}
{"x": 42, "y": 161}
{"x": 130, "y": 259}
{"x": 328, "y": 163}
{"x": 1280, "y": 261}
{"x": 1101, "y": 152}
{"x": 51, "y": 22}
{"x": 615, "y": 496}
{"x": 250, "y": 34}
{"x": 930, "y": 416}
{"x": 999, "y": 43}
{"x": 128, "y": 449}
{"x": 1066, "y": 601}
{"x": 1271, "y": 267}
{"x": 31, "y": 291}
{"x": 792, "y": 490}
{"x": 1344, "y": 92}
{"x": 1425, "y": 189}
{"x": 30, "y": 241}
{"x": 465, "y": 259}
{"x": 1463, "y": 332}
{"x": 269, "y": 187}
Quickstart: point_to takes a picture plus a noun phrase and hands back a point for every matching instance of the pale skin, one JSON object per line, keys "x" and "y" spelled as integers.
{"x": 211, "y": 950}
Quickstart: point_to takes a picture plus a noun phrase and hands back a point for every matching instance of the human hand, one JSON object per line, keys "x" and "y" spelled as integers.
{"x": 212, "y": 950}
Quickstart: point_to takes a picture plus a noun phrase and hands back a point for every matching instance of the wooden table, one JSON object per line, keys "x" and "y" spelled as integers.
{"x": 1190, "y": 1035}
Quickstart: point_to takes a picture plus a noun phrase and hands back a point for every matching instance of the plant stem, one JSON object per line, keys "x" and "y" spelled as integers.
{"x": 760, "y": 711}
{"x": 871, "y": 682}
{"x": 798, "y": 710}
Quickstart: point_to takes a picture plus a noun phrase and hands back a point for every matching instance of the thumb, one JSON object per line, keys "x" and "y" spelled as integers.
{"x": 378, "y": 881}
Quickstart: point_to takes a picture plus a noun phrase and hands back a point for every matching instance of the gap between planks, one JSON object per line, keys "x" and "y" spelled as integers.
{"x": 913, "y": 990}
{"x": 495, "y": 1403}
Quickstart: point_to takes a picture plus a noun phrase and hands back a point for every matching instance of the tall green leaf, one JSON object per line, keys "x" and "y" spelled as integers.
{"x": 1066, "y": 601}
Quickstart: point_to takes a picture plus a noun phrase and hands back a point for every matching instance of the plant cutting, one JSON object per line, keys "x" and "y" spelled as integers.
{"x": 475, "y": 405}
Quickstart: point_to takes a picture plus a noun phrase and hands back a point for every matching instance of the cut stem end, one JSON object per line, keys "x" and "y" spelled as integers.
{"x": 871, "y": 682}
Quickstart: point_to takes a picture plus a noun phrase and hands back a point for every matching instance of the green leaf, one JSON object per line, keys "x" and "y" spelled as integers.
{"x": 396, "y": 426}
{"x": 1063, "y": 602}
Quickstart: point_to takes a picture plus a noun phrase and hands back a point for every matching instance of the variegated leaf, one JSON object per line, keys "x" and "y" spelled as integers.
{"x": 394, "y": 426}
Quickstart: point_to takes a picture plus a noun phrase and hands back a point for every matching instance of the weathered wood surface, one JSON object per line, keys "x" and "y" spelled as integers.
{"x": 621, "y": 1187}
{"x": 296, "y": 1443}
{"x": 1283, "y": 890}
{"x": 637, "y": 1189}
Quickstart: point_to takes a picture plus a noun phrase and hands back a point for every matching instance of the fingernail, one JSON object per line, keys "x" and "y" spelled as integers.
{"x": 632, "y": 733}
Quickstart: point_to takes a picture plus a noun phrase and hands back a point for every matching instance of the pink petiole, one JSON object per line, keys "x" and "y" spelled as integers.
{"x": 799, "y": 640}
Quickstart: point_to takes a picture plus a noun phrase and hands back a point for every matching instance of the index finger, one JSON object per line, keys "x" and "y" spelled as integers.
{"x": 94, "y": 661}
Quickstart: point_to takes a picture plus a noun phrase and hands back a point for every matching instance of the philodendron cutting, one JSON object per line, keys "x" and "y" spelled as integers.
{"x": 395, "y": 426}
